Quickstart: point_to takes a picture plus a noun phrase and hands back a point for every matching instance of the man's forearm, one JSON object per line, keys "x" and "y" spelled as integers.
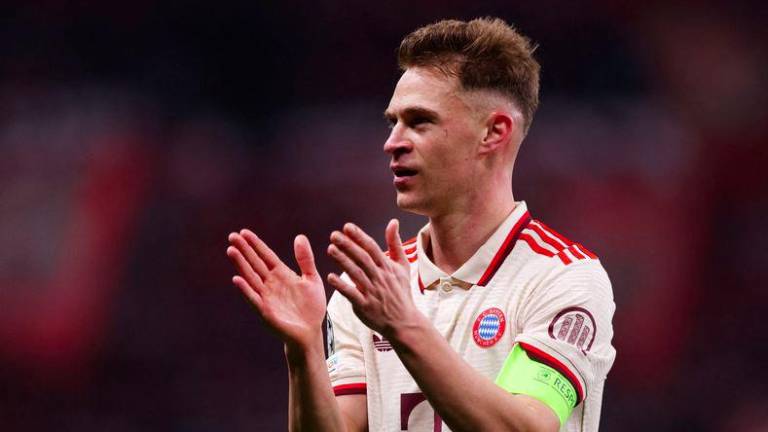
{"x": 464, "y": 399}
{"x": 312, "y": 405}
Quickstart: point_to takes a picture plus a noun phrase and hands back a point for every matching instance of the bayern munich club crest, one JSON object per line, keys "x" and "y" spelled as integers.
{"x": 489, "y": 327}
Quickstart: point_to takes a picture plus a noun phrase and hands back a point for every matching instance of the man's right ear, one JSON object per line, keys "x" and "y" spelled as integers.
{"x": 499, "y": 128}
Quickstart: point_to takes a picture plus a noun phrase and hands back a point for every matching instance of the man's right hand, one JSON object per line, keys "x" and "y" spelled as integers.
{"x": 292, "y": 305}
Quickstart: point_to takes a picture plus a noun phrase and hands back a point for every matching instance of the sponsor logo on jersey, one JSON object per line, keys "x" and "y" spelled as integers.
{"x": 575, "y": 326}
{"x": 381, "y": 344}
{"x": 489, "y": 327}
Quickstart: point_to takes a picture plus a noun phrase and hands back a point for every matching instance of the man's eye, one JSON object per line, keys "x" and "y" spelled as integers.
{"x": 419, "y": 121}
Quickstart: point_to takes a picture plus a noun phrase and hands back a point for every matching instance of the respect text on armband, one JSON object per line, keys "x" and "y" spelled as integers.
{"x": 555, "y": 381}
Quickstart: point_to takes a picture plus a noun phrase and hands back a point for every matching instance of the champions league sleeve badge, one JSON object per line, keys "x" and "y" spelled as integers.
{"x": 331, "y": 340}
{"x": 489, "y": 327}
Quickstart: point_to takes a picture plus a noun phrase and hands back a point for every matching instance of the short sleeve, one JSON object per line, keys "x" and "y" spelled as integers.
{"x": 566, "y": 323}
{"x": 346, "y": 365}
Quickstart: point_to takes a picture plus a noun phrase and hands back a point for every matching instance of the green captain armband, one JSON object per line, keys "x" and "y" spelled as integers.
{"x": 521, "y": 375}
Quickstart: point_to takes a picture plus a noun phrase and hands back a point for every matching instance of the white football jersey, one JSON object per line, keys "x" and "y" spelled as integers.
{"x": 527, "y": 284}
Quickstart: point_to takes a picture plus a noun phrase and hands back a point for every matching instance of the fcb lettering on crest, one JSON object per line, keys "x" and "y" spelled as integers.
{"x": 575, "y": 326}
{"x": 489, "y": 327}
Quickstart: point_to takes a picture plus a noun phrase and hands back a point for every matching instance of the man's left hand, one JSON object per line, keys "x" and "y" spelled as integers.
{"x": 381, "y": 294}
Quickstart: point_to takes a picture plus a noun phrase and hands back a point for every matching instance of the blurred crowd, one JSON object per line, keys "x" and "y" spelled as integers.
{"x": 134, "y": 137}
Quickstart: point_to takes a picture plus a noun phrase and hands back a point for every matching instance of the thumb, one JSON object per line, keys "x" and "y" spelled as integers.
{"x": 304, "y": 256}
{"x": 394, "y": 243}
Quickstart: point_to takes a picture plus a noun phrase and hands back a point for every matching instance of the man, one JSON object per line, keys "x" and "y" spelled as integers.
{"x": 488, "y": 320}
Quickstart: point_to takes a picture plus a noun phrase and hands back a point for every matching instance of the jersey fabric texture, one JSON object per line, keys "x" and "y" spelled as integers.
{"x": 526, "y": 285}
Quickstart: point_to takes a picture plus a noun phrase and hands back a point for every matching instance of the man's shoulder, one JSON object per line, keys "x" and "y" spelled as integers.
{"x": 549, "y": 262}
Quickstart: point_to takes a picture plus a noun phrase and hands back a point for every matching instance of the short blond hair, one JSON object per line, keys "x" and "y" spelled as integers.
{"x": 484, "y": 54}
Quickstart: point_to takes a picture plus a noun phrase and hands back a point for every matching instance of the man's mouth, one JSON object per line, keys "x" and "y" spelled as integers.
{"x": 404, "y": 172}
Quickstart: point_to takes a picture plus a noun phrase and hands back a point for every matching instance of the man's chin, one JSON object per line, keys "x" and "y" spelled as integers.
{"x": 408, "y": 202}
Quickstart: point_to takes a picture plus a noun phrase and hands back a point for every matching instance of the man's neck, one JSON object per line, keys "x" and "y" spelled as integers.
{"x": 455, "y": 237}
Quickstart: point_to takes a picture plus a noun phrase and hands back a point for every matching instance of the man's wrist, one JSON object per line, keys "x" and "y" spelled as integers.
{"x": 299, "y": 353}
{"x": 407, "y": 334}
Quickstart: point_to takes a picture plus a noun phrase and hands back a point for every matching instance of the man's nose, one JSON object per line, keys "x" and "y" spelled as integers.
{"x": 396, "y": 143}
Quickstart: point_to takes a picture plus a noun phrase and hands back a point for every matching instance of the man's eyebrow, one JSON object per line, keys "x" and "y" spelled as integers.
{"x": 414, "y": 111}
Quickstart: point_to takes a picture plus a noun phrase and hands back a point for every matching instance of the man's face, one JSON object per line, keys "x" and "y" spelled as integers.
{"x": 433, "y": 142}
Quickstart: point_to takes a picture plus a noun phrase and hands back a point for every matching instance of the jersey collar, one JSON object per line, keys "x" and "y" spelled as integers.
{"x": 481, "y": 267}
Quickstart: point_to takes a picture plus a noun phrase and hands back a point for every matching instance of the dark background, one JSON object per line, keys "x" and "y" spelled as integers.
{"x": 135, "y": 136}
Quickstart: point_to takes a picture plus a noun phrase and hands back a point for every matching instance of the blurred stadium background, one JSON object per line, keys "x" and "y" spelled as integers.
{"x": 134, "y": 136}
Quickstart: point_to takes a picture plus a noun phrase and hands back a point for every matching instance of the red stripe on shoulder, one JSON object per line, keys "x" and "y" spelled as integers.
{"x": 586, "y": 251}
{"x": 542, "y": 357}
{"x": 563, "y": 257}
{"x": 535, "y": 246}
{"x": 577, "y": 249}
{"x": 546, "y": 237}
{"x": 561, "y": 237}
{"x": 349, "y": 389}
{"x": 409, "y": 241}
{"x": 576, "y": 252}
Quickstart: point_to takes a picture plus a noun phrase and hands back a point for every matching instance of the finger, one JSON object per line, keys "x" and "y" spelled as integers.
{"x": 395, "y": 243}
{"x": 261, "y": 248}
{"x": 251, "y": 294}
{"x": 245, "y": 269}
{"x": 304, "y": 256}
{"x": 366, "y": 242}
{"x": 249, "y": 253}
{"x": 355, "y": 253}
{"x": 357, "y": 274}
{"x": 346, "y": 289}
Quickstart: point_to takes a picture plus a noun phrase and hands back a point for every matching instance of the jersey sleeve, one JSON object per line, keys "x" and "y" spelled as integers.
{"x": 566, "y": 324}
{"x": 346, "y": 365}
